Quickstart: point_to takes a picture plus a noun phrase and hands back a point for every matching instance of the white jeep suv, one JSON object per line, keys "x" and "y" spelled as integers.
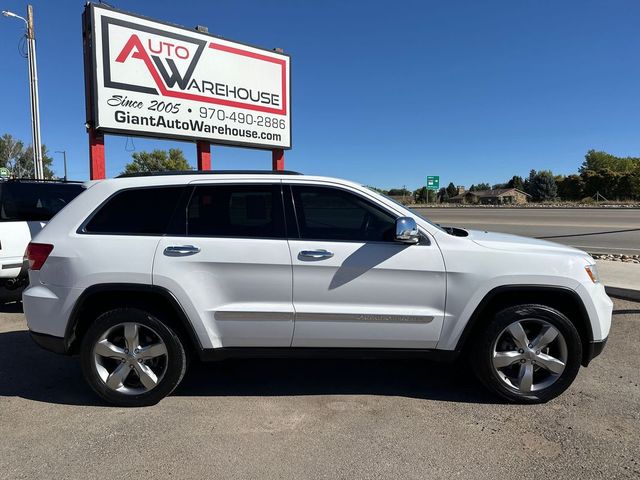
{"x": 139, "y": 272}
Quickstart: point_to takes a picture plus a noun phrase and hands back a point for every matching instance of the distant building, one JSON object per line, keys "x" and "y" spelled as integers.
{"x": 499, "y": 196}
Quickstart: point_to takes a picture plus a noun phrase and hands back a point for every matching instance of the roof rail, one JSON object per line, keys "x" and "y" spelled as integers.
{"x": 208, "y": 172}
{"x": 39, "y": 180}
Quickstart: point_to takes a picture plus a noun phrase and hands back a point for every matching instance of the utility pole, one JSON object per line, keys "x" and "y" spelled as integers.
{"x": 36, "y": 143}
{"x": 64, "y": 157}
{"x": 35, "y": 103}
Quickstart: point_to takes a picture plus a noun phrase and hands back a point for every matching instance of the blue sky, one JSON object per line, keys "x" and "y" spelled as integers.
{"x": 384, "y": 93}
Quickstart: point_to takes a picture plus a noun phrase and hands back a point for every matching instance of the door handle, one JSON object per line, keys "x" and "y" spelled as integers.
{"x": 181, "y": 250}
{"x": 316, "y": 254}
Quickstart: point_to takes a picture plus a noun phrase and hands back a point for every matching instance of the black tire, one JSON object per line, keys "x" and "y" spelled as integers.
{"x": 483, "y": 350}
{"x": 175, "y": 366}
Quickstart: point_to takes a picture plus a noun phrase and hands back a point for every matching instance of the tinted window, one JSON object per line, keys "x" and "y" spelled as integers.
{"x": 333, "y": 214}
{"x": 35, "y": 201}
{"x": 236, "y": 211}
{"x": 143, "y": 211}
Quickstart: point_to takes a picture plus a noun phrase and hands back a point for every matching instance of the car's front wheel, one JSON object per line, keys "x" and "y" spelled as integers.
{"x": 528, "y": 353}
{"x": 132, "y": 359}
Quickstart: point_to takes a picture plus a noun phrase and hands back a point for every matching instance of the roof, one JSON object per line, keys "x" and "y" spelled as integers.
{"x": 498, "y": 192}
{"x": 196, "y": 176}
{"x": 208, "y": 172}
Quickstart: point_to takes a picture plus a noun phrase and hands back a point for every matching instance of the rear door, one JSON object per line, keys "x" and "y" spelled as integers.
{"x": 353, "y": 285}
{"x": 231, "y": 267}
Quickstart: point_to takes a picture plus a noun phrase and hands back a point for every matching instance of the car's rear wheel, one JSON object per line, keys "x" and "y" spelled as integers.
{"x": 132, "y": 359}
{"x": 528, "y": 353}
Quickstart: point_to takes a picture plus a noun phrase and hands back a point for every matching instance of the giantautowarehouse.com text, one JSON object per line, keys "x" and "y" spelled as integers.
{"x": 190, "y": 125}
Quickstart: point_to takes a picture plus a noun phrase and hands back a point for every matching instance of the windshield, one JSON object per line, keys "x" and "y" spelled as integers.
{"x": 35, "y": 201}
{"x": 413, "y": 212}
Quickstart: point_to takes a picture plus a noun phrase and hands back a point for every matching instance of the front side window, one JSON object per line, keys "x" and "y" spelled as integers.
{"x": 236, "y": 211}
{"x": 35, "y": 201}
{"x": 139, "y": 211}
{"x": 326, "y": 213}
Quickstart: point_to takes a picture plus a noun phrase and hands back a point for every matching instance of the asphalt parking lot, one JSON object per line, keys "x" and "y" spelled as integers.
{"x": 319, "y": 419}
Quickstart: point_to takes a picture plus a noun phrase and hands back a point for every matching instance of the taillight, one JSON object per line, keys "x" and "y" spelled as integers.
{"x": 37, "y": 254}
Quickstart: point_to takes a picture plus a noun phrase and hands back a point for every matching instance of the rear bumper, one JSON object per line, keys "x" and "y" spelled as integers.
{"x": 49, "y": 342}
{"x": 47, "y": 307}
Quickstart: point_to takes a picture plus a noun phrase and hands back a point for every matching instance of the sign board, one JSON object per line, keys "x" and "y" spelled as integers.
{"x": 152, "y": 79}
{"x": 433, "y": 182}
{"x": 4, "y": 172}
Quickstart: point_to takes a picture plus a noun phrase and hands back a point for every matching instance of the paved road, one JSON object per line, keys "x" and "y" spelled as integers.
{"x": 319, "y": 419}
{"x": 542, "y": 222}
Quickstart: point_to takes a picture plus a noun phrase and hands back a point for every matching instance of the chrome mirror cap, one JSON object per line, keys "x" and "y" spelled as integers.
{"x": 407, "y": 230}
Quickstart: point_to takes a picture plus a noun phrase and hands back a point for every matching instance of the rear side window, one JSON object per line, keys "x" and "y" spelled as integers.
{"x": 236, "y": 211}
{"x": 35, "y": 201}
{"x": 142, "y": 211}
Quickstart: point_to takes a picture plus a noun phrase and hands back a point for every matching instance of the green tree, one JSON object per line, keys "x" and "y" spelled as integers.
{"x": 603, "y": 182}
{"x": 24, "y": 166}
{"x": 628, "y": 186}
{"x": 10, "y": 150}
{"x": 421, "y": 195}
{"x": 597, "y": 161}
{"x": 399, "y": 192}
{"x": 379, "y": 190}
{"x": 480, "y": 186}
{"x": 19, "y": 160}
{"x": 424, "y": 195}
{"x": 157, "y": 161}
{"x": 516, "y": 182}
{"x": 542, "y": 185}
{"x": 443, "y": 194}
{"x": 593, "y": 182}
{"x": 527, "y": 181}
{"x": 452, "y": 190}
{"x": 571, "y": 187}
{"x": 610, "y": 179}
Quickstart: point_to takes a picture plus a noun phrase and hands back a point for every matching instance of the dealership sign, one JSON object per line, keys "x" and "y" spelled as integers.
{"x": 158, "y": 80}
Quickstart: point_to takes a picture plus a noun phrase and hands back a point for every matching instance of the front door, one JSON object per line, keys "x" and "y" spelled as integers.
{"x": 231, "y": 269}
{"x": 353, "y": 285}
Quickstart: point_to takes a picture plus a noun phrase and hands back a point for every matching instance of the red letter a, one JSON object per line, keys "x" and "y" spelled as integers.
{"x": 133, "y": 42}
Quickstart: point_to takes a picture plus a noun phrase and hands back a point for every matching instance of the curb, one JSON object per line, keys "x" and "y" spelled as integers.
{"x": 623, "y": 293}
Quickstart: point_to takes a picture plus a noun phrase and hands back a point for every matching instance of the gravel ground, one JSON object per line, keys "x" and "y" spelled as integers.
{"x": 613, "y": 257}
{"x": 319, "y": 419}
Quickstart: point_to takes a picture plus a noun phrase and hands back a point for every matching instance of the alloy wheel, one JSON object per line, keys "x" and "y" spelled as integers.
{"x": 130, "y": 358}
{"x": 529, "y": 355}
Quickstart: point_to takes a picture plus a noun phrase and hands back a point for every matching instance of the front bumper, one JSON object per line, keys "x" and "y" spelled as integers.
{"x": 599, "y": 309}
{"x": 594, "y": 348}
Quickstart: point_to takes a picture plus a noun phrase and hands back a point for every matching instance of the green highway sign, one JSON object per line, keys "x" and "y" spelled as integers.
{"x": 433, "y": 182}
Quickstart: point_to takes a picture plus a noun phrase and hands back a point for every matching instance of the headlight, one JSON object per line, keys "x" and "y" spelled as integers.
{"x": 592, "y": 271}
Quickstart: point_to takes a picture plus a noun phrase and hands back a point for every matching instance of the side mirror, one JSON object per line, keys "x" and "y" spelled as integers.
{"x": 407, "y": 230}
